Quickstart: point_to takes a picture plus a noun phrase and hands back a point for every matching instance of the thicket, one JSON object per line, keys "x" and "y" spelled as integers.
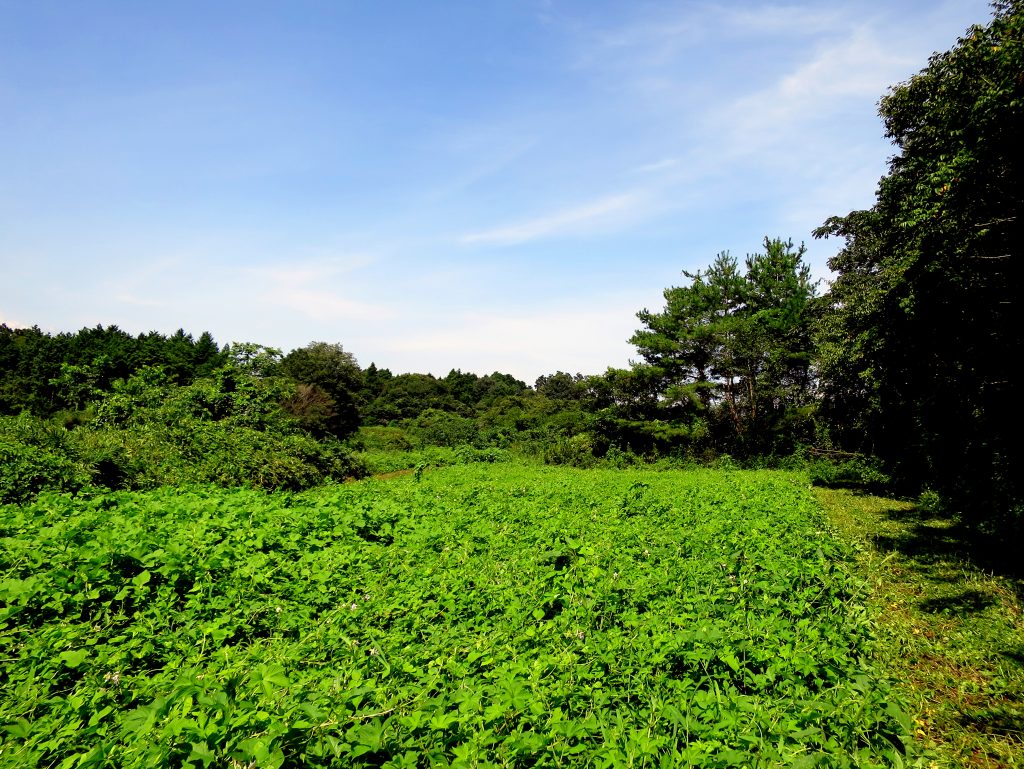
{"x": 159, "y": 425}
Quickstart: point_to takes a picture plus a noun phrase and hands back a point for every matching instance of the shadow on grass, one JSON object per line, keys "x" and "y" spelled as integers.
{"x": 1015, "y": 655}
{"x": 953, "y": 589}
{"x": 1006, "y": 720}
{"x": 967, "y": 602}
{"x": 931, "y": 538}
{"x": 936, "y": 542}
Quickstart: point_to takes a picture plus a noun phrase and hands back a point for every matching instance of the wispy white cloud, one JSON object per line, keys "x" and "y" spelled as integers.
{"x": 855, "y": 69}
{"x": 646, "y": 40}
{"x": 481, "y": 150}
{"x": 148, "y": 283}
{"x": 665, "y": 38}
{"x": 582, "y": 219}
{"x": 139, "y": 301}
{"x": 303, "y": 271}
{"x": 10, "y": 322}
{"x": 863, "y": 64}
{"x": 325, "y": 305}
{"x": 770, "y": 19}
{"x": 318, "y": 289}
{"x": 659, "y": 165}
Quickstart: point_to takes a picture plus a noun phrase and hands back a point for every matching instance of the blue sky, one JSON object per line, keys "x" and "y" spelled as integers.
{"x": 486, "y": 185}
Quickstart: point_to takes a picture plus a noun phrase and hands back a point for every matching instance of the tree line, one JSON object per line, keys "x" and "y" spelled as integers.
{"x": 901, "y": 374}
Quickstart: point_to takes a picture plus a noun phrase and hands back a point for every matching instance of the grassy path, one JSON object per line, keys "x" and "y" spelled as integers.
{"x": 950, "y": 627}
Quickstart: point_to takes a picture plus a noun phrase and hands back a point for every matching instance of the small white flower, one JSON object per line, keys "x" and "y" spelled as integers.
{"x": 354, "y": 606}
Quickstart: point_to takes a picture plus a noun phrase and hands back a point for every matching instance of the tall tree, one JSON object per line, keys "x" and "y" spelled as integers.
{"x": 733, "y": 347}
{"x": 920, "y": 340}
{"x": 332, "y": 382}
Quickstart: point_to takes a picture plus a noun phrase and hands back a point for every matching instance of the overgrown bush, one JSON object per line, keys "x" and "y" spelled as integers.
{"x": 465, "y": 455}
{"x": 27, "y": 470}
{"x": 577, "y": 451}
{"x": 228, "y": 429}
{"x": 148, "y": 456}
{"x": 380, "y": 462}
{"x": 380, "y": 438}
{"x": 442, "y": 428}
{"x": 853, "y": 473}
{"x": 616, "y": 457}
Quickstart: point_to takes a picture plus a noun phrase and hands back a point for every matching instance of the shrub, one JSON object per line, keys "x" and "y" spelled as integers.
{"x": 577, "y": 451}
{"x": 856, "y": 472}
{"x": 442, "y": 428}
{"x": 27, "y": 470}
{"x": 195, "y": 451}
{"x": 465, "y": 455}
{"x": 379, "y": 438}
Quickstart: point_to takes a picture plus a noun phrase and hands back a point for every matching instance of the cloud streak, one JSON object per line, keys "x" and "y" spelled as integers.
{"x": 578, "y": 220}
{"x": 318, "y": 289}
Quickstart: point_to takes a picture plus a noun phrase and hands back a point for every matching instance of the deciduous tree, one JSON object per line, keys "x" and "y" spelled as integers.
{"x": 921, "y": 340}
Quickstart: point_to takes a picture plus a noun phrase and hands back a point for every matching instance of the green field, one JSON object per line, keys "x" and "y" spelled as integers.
{"x": 480, "y": 615}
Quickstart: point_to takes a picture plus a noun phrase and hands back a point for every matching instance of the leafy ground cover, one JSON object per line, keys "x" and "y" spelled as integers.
{"x": 481, "y": 615}
{"x": 380, "y": 461}
{"x": 951, "y": 632}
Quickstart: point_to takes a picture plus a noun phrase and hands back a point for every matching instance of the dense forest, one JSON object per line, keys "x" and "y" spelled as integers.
{"x": 900, "y": 375}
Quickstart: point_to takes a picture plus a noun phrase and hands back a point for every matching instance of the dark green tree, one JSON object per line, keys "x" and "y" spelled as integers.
{"x": 333, "y": 381}
{"x": 405, "y": 396}
{"x": 920, "y": 342}
{"x": 45, "y": 373}
{"x": 560, "y": 386}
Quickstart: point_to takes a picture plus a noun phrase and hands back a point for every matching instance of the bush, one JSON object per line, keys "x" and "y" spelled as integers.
{"x": 577, "y": 451}
{"x": 228, "y": 430}
{"x": 931, "y": 502}
{"x": 194, "y": 451}
{"x": 383, "y": 439}
{"x": 27, "y": 470}
{"x": 853, "y": 473}
{"x": 465, "y": 455}
{"x": 617, "y": 458}
{"x": 442, "y": 428}
{"x": 381, "y": 462}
